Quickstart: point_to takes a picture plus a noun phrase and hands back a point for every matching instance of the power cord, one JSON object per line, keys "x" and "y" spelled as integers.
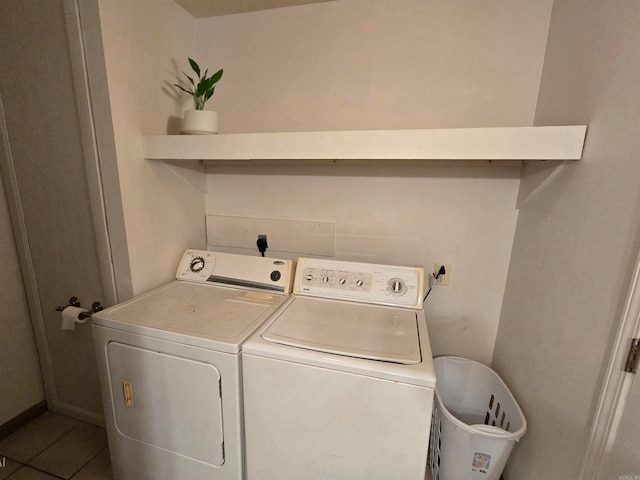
{"x": 262, "y": 244}
{"x": 441, "y": 271}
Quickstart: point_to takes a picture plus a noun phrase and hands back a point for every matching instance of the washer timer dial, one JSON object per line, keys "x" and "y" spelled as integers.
{"x": 397, "y": 286}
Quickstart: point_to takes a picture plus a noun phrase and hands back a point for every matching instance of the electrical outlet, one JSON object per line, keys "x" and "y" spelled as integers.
{"x": 443, "y": 280}
{"x": 262, "y": 244}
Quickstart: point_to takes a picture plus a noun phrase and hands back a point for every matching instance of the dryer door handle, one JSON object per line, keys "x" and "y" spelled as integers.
{"x": 127, "y": 392}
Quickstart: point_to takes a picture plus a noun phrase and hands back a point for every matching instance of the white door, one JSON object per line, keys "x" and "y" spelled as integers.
{"x": 54, "y": 193}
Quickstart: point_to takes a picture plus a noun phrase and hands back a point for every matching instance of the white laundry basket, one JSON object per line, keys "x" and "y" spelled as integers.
{"x": 476, "y": 422}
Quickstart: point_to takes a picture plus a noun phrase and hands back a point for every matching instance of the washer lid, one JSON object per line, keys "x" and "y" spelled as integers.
{"x": 344, "y": 328}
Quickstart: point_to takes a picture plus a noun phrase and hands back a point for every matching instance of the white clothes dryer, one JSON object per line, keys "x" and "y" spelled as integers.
{"x": 169, "y": 366}
{"x": 339, "y": 384}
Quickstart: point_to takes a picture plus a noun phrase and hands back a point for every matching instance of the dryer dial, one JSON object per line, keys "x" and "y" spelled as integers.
{"x": 197, "y": 264}
{"x": 275, "y": 276}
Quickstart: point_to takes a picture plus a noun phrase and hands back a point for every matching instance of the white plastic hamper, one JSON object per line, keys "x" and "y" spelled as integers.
{"x": 476, "y": 422}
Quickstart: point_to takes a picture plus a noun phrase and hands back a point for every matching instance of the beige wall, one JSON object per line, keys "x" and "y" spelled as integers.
{"x": 145, "y": 45}
{"x": 19, "y": 366}
{"x": 370, "y": 65}
{"x": 576, "y": 238}
{"x": 362, "y": 64}
{"x": 414, "y": 216}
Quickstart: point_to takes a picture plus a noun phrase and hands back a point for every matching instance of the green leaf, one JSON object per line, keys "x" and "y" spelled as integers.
{"x": 208, "y": 83}
{"x": 217, "y": 76}
{"x": 183, "y": 89}
{"x": 195, "y": 66}
{"x": 202, "y": 87}
{"x": 190, "y": 79}
{"x": 209, "y": 94}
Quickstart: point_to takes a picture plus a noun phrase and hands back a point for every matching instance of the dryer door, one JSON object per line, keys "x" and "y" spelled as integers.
{"x": 167, "y": 401}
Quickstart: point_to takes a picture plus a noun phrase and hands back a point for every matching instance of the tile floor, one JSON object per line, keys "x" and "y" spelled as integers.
{"x": 54, "y": 447}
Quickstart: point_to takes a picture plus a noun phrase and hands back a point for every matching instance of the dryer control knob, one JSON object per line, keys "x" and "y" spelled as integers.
{"x": 197, "y": 264}
{"x": 275, "y": 275}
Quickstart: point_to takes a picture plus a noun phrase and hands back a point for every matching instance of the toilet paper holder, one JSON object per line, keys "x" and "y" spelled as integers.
{"x": 74, "y": 302}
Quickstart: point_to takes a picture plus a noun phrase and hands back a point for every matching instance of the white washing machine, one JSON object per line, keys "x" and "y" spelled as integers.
{"x": 169, "y": 365}
{"x": 339, "y": 384}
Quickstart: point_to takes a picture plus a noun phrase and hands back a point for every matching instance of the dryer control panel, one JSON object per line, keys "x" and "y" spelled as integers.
{"x": 260, "y": 273}
{"x": 360, "y": 282}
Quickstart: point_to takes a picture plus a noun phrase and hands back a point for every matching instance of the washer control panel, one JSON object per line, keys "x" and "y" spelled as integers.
{"x": 203, "y": 266}
{"x": 360, "y": 282}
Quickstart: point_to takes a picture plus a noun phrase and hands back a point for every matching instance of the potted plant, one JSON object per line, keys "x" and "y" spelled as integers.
{"x": 200, "y": 121}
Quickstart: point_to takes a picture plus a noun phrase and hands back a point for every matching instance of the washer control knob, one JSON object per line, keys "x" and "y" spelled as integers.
{"x": 342, "y": 281}
{"x": 359, "y": 283}
{"x": 397, "y": 286}
{"x": 308, "y": 277}
{"x": 275, "y": 275}
{"x": 196, "y": 264}
{"x": 325, "y": 279}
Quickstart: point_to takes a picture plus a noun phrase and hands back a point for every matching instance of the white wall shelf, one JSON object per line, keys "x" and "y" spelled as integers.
{"x": 507, "y": 144}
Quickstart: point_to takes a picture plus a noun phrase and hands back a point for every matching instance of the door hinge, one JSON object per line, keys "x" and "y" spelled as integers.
{"x": 633, "y": 360}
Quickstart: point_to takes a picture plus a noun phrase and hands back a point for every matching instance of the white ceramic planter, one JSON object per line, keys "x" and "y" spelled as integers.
{"x": 199, "y": 122}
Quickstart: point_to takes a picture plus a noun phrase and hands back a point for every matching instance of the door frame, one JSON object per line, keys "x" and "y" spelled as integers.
{"x": 616, "y": 386}
{"x": 88, "y": 66}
